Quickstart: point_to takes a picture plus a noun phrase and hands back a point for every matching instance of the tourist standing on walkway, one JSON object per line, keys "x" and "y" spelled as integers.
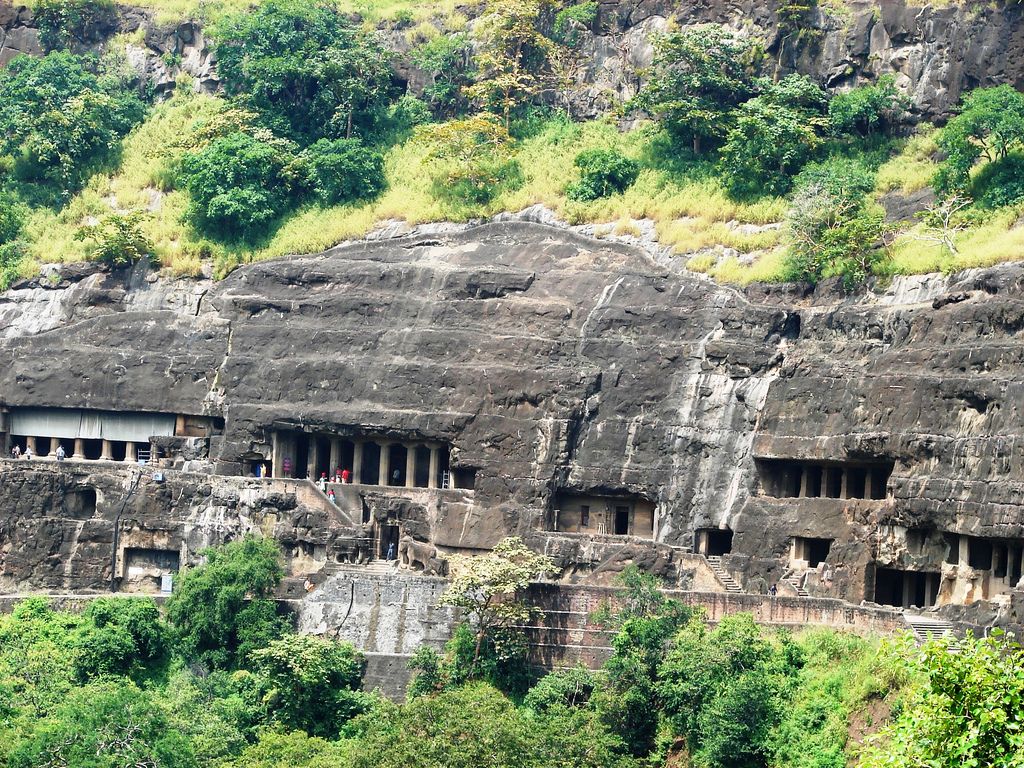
{"x": 16, "y": 452}
{"x": 28, "y": 452}
{"x": 332, "y": 497}
{"x": 60, "y": 453}
{"x": 287, "y": 466}
{"x": 346, "y": 476}
{"x": 323, "y": 482}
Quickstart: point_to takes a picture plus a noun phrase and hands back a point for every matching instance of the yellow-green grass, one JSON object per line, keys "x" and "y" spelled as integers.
{"x": 372, "y": 11}
{"x": 913, "y": 168}
{"x": 138, "y": 184}
{"x": 999, "y": 239}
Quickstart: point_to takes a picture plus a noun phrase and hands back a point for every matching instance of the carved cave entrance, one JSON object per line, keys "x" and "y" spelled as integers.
{"x": 712, "y": 542}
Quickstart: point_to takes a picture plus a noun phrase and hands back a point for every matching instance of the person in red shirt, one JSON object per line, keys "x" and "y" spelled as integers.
{"x": 346, "y": 476}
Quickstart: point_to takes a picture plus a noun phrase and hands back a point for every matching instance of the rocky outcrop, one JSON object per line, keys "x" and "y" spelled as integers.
{"x": 555, "y": 365}
{"x": 935, "y": 52}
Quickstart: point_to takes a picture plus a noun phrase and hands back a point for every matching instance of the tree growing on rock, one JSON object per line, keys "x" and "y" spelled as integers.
{"x": 990, "y": 126}
{"x": 489, "y": 588}
{"x": 222, "y": 610}
{"x": 512, "y": 57}
{"x": 699, "y": 75}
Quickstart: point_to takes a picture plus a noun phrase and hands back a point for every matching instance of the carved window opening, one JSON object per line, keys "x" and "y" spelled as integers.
{"x": 787, "y": 479}
{"x": 713, "y": 542}
{"x": 906, "y": 589}
{"x": 810, "y": 553}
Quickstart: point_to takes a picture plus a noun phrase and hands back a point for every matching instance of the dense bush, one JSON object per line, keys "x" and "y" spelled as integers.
{"x": 868, "y": 109}
{"x": 999, "y": 183}
{"x": 831, "y": 229}
{"x": 603, "y": 172}
{"x": 774, "y": 135}
{"x": 12, "y": 217}
{"x": 990, "y": 126}
{"x": 699, "y": 75}
{"x": 60, "y": 121}
{"x": 238, "y": 185}
{"x": 341, "y": 170}
{"x": 307, "y": 70}
{"x": 63, "y": 23}
{"x": 447, "y": 60}
{"x": 221, "y": 609}
{"x": 117, "y": 239}
{"x": 311, "y": 683}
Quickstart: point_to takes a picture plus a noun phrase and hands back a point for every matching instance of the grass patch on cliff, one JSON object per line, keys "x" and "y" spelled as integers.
{"x": 372, "y": 11}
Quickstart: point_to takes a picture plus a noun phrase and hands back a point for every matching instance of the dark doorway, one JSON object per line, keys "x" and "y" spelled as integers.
{"x": 717, "y": 541}
{"x": 621, "y": 521}
{"x": 389, "y": 535}
{"x": 346, "y": 457}
{"x": 92, "y": 449}
{"x": 396, "y": 474}
{"x": 301, "y": 468}
{"x": 323, "y": 458}
{"x": 422, "y": 477}
{"x": 371, "y": 465}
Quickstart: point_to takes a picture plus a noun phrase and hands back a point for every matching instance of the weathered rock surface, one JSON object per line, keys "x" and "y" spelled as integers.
{"x": 551, "y": 363}
{"x": 935, "y": 52}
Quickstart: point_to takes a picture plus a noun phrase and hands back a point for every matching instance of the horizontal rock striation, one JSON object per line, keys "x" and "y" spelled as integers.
{"x": 557, "y": 368}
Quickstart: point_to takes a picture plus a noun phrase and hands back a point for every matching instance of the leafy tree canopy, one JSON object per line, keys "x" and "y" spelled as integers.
{"x": 60, "y": 121}
{"x": 698, "y": 76}
{"x": 221, "y": 609}
{"x": 307, "y": 70}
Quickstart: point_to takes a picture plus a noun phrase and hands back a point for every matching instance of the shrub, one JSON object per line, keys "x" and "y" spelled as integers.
{"x": 221, "y": 609}
{"x": 829, "y": 227}
{"x": 62, "y": 23}
{"x": 306, "y": 69}
{"x": 60, "y": 121}
{"x": 999, "y": 183}
{"x": 238, "y": 185}
{"x": 990, "y": 125}
{"x": 603, "y": 172}
{"x": 117, "y": 239}
{"x": 869, "y": 108}
{"x": 311, "y": 683}
{"x": 447, "y": 61}
{"x": 343, "y": 169}
{"x": 12, "y": 255}
{"x": 698, "y": 76}
{"x": 12, "y": 217}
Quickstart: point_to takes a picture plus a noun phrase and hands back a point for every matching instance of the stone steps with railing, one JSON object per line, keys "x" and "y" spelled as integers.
{"x": 730, "y": 584}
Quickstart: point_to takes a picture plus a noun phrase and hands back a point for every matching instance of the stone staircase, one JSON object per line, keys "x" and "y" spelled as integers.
{"x": 731, "y": 585}
{"x": 374, "y": 567}
{"x": 927, "y": 628}
{"x": 797, "y": 583}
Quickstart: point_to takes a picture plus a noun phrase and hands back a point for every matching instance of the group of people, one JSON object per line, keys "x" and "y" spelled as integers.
{"x": 340, "y": 476}
{"x": 16, "y": 452}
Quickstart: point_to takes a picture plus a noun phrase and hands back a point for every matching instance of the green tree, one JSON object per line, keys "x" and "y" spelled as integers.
{"x": 306, "y": 69}
{"x": 773, "y": 136}
{"x": 699, "y": 75}
{"x": 60, "y": 121}
{"x": 868, "y": 109}
{"x": 238, "y": 185}
{"x": 512, "y": 57}
{"x": 603, "y": 172}
{"x": 990, "y": 125}
{"x": 63, "y": 23}
{"x": 342, "y": 170}
{"x": 724, "y": 690}
{"x": 117, "y": 239}
{"x": 968, "y": 711}
{"x": 489, "y": 588}
{"x": 472, "y": 158}
{"x": 221, "y": 610}
{"x": 106, "y": 724}
{"x": 830, "y": 227}
{"x": 312, "y": 683}
{"x": 447, "y": 61}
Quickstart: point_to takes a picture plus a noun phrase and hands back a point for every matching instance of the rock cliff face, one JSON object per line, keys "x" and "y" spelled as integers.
{"x": 935, "y": 52}
{"x": 761, "y": 426}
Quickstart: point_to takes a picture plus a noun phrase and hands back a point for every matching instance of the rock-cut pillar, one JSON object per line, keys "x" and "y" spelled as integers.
{"x": 384, "y": 467}
{"x": 435, "y": 466}
{"x": 410, "y": 466}
{"x": 79, "y": 448}
{"x": 357, "y": 462}
{"x": 106, "y": 454}
{"x": 130, "y": 455}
